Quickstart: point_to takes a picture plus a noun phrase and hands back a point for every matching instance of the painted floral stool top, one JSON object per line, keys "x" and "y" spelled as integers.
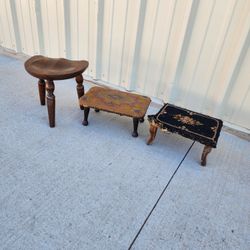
{"x": 196, "y": 126}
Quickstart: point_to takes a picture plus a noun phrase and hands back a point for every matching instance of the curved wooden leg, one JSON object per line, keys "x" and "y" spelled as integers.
{"x": 206, "y": 151}
{"x": 51, "y": 102}
{"x": 80, "y": 88}
{"x": 153, "y": 131}
{"x": 41, "y": 88}
{"x": 86, "y": 114}
{"x": 135, "y": 123}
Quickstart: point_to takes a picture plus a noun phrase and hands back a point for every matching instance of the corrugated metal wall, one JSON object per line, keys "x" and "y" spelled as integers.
{"x": 188, "y": 52}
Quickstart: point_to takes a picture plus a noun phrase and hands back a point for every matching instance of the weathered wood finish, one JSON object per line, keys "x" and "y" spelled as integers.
{"x": 80, "y": 88}
{"x": 51, "y": 102}
{"x": 206, "y": 151}
{"x": 153, "y": 131}
{"x": 117, "y": 102}
{"x": 41, "y": 88}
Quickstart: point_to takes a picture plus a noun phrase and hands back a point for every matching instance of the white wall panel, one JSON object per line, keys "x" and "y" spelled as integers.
{"x": 7, "y": 34}
{"x": 194, "y": 53}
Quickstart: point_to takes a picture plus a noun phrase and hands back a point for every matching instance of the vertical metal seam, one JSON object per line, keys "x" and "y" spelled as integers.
{"x": 67, "y": 28}
{"x": 100, "y": 19}
{"x": 77, "y": 29}
{"x": 31, "y": 26}
{"x": 200, "y": 51}
{"x": 24, "y": 32}
{"x": 137, "y": 51}
{"x": 58, "y": 33}
{"x": 15, "y": 25}
{"x": 218, "y": 56}
{"x": 110, "y": 43}
{"x": 151, "y": 45}
{"x": 49, "y": 37}
{"x": 2, "y": 35}
{"x": 123, "y": 42}
{"x": 185, "y": 45}
{"x": 159, "y": 86}
{"x": 242, "y": 102}
{"x": 8, "y": 22}
{"x": 39, "y": 23}
{"x": 236, "y": 71}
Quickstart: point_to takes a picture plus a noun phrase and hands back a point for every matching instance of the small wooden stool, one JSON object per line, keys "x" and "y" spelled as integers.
{"x": 50, "y": 69}
{"x": 195, "y": 126}
{"x": 117, "y": 102}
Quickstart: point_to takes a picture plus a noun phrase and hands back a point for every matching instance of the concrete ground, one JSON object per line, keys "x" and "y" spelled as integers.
{"x": 97, "y": 187}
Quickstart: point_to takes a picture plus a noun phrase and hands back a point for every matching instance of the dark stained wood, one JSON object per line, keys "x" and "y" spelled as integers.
{"x": 41, "y": 88}
{"x": 86, "y": 114}
{"x": 206, "y": 151}
{"x": 118, "y": 102}
{"x": 54, "y": 68}
{"x": 135, "y": 123}
{"x": 50, "y": 69}
{"x": 51, "y": 102}
{"x": 153, "y": 131}
{"x": 80, "y": 88}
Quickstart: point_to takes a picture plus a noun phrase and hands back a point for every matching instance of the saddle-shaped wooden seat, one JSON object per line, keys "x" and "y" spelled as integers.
{"x": 54, "y": 68}
{"x": 50, "y": 69}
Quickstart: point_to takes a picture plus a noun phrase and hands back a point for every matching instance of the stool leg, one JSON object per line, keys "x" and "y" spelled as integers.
{"x": 86, "y": 114}
{"x": 142, "y": 120}
{"x": 80, "y": 88}
{"x": 153, "y": 131}
{"x": 206, "y": 151}
{"x": 135, "y": 123}
{"x": 51, "y": 102}
{"x": 41, "y": 88}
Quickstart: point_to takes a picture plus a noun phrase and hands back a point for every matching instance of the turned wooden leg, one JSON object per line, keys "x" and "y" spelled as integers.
{"x": 51, "y": 102}
{"x": 153, "y": 131}
{"x": 206, "y": 151}
{"x": 41, "y": 88}
{"x": 80, "y": 88}
{"x": 135, "y": 123}
{"x": 86, "y": 114}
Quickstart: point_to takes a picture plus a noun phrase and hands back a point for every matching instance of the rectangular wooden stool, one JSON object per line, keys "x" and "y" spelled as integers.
{"x": 117, "y": 102}
{"x": 198, "y": 127}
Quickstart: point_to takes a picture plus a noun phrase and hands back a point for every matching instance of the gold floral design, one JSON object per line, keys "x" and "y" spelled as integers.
{"x": 187, "y": 120}
{"x": 214, "y": 129}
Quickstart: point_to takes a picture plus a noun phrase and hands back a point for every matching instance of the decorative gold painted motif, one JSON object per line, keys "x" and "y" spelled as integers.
{"x": 187, "y": 120}
{"x": 214, "y": 129}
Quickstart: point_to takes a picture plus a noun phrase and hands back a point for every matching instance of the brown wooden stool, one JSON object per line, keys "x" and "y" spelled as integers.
{"x": 50, "y": 69}
{"x": 115, "y": 101}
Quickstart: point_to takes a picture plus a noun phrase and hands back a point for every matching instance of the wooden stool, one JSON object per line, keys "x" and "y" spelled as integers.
{"x": 50, "y": 69}
{"x": 195, "y": 126}
{"x": 117, "y": 102}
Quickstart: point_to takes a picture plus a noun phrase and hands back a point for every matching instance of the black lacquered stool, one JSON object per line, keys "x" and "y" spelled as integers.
{"x": 195, "y": 126}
